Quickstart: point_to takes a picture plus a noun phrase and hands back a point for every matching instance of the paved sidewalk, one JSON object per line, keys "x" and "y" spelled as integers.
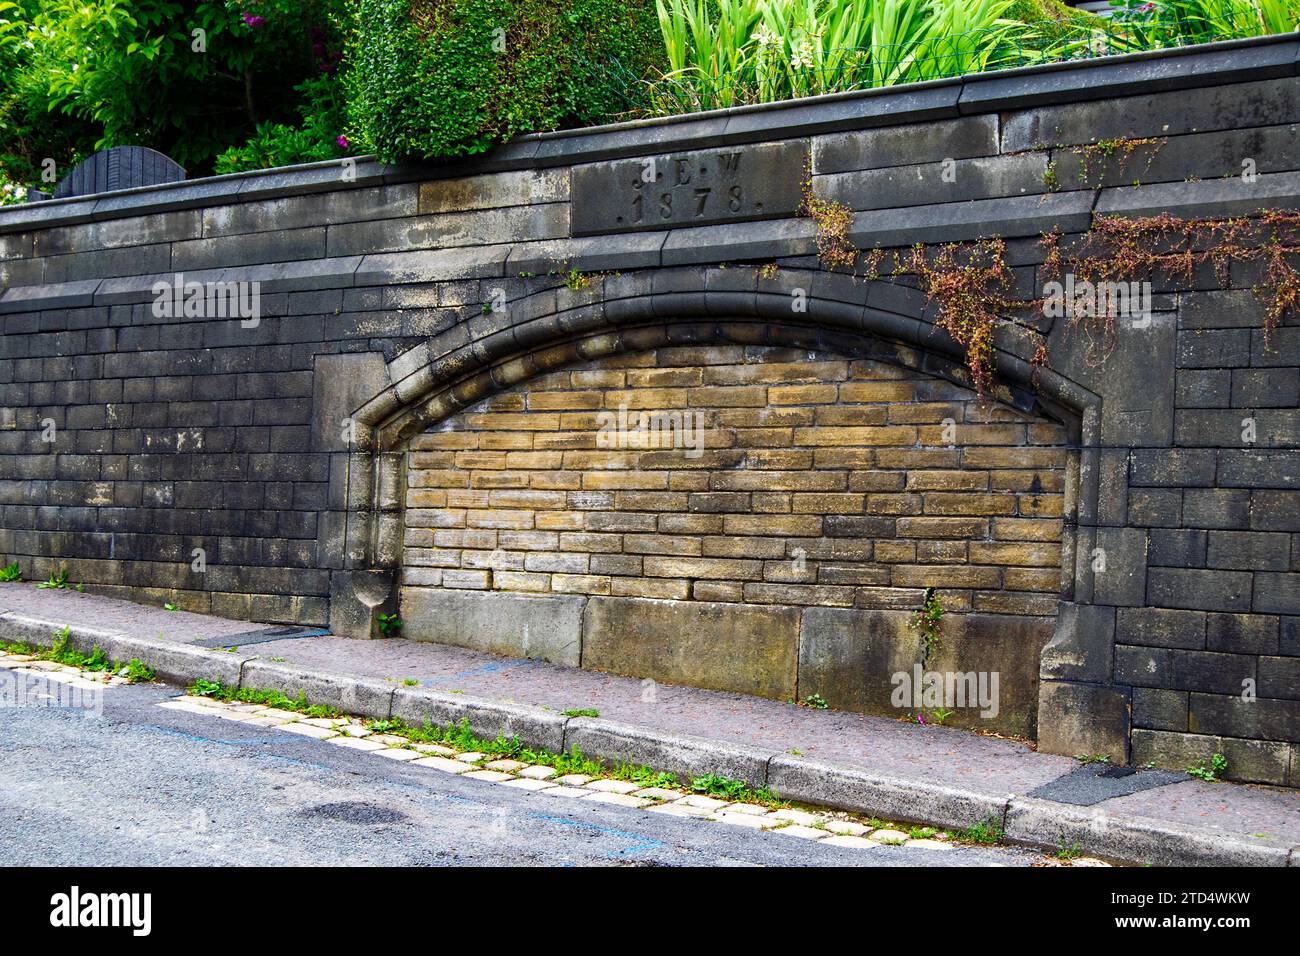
{"x": 907, "y": 754}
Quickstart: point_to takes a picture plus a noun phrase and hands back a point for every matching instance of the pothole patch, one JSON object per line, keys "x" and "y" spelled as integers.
{"x": 356, "y": 812}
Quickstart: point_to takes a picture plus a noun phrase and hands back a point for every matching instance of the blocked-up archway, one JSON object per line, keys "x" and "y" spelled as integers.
{"x": 761, "y": 519}
{"x": 838, "y": 474}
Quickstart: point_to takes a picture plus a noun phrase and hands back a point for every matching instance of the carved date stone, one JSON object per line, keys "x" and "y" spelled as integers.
{"x": 699, "y": 188}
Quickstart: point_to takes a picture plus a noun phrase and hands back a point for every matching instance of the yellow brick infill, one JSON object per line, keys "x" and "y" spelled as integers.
{"x": 753, "y": 475}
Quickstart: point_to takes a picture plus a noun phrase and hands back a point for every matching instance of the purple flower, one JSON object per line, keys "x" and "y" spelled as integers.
{"x": 253, "y": 21}
{"x": 342, "y": 141}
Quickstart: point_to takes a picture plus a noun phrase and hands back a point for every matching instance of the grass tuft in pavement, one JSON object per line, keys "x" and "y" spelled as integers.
{"x": 60, "y": 653}
{"x": 267, "y": 698}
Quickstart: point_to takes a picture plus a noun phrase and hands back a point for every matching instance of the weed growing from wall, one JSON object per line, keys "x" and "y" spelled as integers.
{"x": 1102, "y": 150}
{"x": 971, "y": 284}
{"x": 928, "y": 622}
{"x": 834, "y": 220}
{"x": 1119, "y": 249}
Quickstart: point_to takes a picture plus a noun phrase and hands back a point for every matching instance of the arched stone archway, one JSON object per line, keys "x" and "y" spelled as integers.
{"x": 544, "y": 330}
{"x": 536, "y": 335}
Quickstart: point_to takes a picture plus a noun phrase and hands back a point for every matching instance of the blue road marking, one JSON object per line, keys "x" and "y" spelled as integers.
{"x": 488, "y": 669}
{"x": 256, "y": 741}
{"x": 641, "y": 844}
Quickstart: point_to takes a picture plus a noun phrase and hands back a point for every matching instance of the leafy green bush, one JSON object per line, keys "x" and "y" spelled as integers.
{"x": 430, "y": 78}
{"x": 319, "y": 138}
{"x": 189, "y": 78}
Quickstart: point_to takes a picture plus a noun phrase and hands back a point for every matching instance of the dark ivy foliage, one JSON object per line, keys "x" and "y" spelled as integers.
{"x": 435, "y": 78}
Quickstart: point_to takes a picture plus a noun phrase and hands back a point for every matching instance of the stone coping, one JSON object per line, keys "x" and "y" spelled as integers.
{"x": 1122, "y": 75}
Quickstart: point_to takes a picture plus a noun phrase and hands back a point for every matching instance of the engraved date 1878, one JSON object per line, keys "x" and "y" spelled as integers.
{"x": 690, "y": 188}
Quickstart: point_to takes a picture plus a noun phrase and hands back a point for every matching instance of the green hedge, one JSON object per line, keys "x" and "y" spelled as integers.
{"x": 427, "y": 78}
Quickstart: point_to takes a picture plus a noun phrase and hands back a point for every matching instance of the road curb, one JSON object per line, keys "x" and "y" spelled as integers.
{"x": 1043, "y": 823}
{"x": 892, "y": 798}
{"x": 534, "y": 726}
{"x": 679, "y": 755}
{"x": 1024, "y": 820}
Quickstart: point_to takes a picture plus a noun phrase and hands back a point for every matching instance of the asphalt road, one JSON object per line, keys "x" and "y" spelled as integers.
{"x": 143, "y": 785}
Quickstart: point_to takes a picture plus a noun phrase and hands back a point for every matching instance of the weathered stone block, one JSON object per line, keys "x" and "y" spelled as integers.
{"x": 341, "y": 384}
{"x": 688, "y": 189}
{"x": 1144, "y": 666}
{"x": 1277, "y": 593}
{"x": 849, "y": 657}
{"x": 1189, "y": 200}
{"x": 1235, "y": 716}
{"x": 1266, "y": 388}
{"x": 1173, "y": 749}
{"x": 737, "y": 647}
{"x": 1259, "y": 469}
{"x": 1161, "y": 627}
{"x": 1279, "y": 677}
{"x": 978, "y": 649}
{"x": 1082, "y": 644}
{"x": 356, "y": 600}
{"x": 1179, "y": 548}
{"x": 1122, "y": 579}
{"x": 1213, "y": 672}
{"x": 1203, "y": 388}
{"x": 1139, "y": 408}
{"x": 548, "y": 628}
{"x": 247, "y": 250}
{"x": 1249, "y": 551}
{"x": 911, "y": 185}
{"x": 1242, "y": 633}
{"x": 981, "y": 218}
{"x": 1259, "y": 103}
{"x": 1172, "y": 467}
{"x": 899, "y": 145}
{"x": 1084, "y": 719}
{"x": 1256, "y": 761}
{"x": 1200, "y": 590}
{"x": 1157, "y": 709}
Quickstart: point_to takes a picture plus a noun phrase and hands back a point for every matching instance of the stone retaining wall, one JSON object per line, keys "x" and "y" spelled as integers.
{"x": 259, "y": 469}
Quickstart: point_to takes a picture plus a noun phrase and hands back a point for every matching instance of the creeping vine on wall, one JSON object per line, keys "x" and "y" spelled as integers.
{"x": 834, "y": 219}
{"x": 1119, "y": 249}
{"x": 970, "y": 283}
